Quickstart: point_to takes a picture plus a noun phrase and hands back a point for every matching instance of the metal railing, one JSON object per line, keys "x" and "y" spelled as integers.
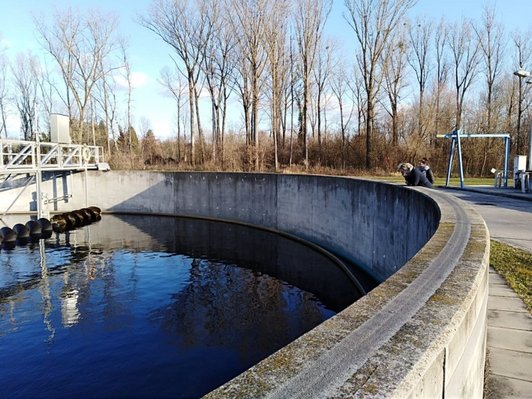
{"x": 27, "y": 156}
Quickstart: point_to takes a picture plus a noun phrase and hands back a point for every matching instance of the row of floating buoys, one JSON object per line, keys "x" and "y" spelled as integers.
{"x": 73, "y": 219}
{"x": 34, "y": 229}
{"x": 43, "y": 228}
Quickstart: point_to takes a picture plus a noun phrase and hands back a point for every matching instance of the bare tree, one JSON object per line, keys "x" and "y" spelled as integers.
{"x": 248, "y": 23}
{"x": 275, "y": 44}
{"x": 374, "y": 23}
{"x": 356, "y": 87}
{"x": 340, "y": 88}
{"x": 105, "y": 97}
{"x": 4, "y": 93}
{"x": 394, "y": 68}
{"x": 419, "y": 59}
{"x": 172, "y": 82}
{"x": 322, "y": 73}
{"x": 127, "y": 74}
{"x": 78, "y": 42}
{"x": 490, "y": 36}
{"x": 522, "y": 56}
{"x": 465, "y": 55}
{"x": 287, "y": 80}
{"x": 47, "y": 88}
{"x": 294, "y": 93}
{"x": 25, "y": 75}
{"x": 218, "y": 68}
{"x": 442, "y": 67}
{"x": 187, "y": 28}
{"x": 310, "y": 19}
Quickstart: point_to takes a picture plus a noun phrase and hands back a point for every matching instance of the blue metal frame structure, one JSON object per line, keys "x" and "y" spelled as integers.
{"x": 455, "y": 137}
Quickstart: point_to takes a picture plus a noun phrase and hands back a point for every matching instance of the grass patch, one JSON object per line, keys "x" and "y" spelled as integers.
{"x": 515, "y": 266}
{"x": 440, "y": 181}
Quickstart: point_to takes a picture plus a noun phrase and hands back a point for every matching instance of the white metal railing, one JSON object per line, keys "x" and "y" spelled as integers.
{"x": 19, "y": 155}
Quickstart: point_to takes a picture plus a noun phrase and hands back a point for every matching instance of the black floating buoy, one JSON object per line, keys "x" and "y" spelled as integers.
{"x": 76, "y": 218}
{"x": 90, "y": 216}
{"x": 8, "y": 235}
{"x": 21, "y": 230}
{"x": 70, "y": 220}
{"x": 85, "y": 219}
{"x": 59, "y": 223}
{"x": 95, "y": 209}
{"x": 46, "y": 225}
{"x": 34, "y": 227}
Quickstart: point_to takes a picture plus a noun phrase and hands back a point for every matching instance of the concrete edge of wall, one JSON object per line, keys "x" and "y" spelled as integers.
{"x": 436, "y": 349}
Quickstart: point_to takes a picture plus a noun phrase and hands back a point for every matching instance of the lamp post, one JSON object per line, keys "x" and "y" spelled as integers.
{"x": 522, "y": 73}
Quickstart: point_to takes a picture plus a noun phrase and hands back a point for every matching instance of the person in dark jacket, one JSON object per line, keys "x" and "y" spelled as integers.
{"x": 413, "y": 176}
{"x": 423, "y": 166}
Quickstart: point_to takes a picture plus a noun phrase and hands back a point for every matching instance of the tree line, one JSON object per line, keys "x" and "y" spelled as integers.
{"x": 305, "y": 102}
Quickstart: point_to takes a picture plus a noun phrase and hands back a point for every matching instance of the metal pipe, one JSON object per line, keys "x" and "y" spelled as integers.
{"x": 530, "y": 148}
{"x": 450, "y": 165}
{"x": 460, "y": 164}
{"x": 506, "y": 157}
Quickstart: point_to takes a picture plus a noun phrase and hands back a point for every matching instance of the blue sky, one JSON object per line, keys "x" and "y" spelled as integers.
{"x": 149, "y": 55}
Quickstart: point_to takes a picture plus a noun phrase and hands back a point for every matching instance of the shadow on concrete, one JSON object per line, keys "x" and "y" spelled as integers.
{"x": 490, "y": 196}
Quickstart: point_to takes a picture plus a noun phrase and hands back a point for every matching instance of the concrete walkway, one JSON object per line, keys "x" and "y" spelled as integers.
{"x": 508, "y": 215}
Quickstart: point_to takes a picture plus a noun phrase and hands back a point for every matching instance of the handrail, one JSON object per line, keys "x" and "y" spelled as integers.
{"x": 17, "y": 155}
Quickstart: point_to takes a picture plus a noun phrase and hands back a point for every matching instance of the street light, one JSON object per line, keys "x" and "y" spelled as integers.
{"x": 522, "y": 73}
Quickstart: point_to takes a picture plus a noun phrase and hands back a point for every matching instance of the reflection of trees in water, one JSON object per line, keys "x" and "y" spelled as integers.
{"x": 32, "y": 266}
{"x": 240, "y": 310}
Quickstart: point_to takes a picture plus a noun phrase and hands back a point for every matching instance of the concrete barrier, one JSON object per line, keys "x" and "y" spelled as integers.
{"x": 420, "y": 333}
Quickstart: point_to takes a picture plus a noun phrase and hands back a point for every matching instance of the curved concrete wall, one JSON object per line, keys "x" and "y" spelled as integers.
{"x": 421, "y": 333}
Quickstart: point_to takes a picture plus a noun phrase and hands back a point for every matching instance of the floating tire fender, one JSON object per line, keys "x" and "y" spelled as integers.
{"x": 7, "y": 234}
{"x": 34, "y": 227}
{"x": 59, "y": 223}
{"x": 21, "y": 230}
{"x": 77, "y": 221}
{"x": 46, "y": 225}
{"x": 95, "y": 209}
{"x": 80, "y": 218}
{"x": 90, "y": 214}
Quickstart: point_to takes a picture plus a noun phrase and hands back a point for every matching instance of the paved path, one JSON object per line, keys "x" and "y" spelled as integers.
{"x": 509, "y": 220}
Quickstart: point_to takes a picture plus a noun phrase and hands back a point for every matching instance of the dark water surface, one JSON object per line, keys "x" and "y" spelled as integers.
{"x": 138, "y": 306}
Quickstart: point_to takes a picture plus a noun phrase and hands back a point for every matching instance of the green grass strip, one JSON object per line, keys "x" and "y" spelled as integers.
{"x": 440, "y": 181}
{"x": 515, "y": 265}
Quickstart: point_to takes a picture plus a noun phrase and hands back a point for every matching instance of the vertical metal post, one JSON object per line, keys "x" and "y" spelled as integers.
{"x": 506, "y": 157}
{"x": 450, "y": 165}
{"x": 38, "y": 179}
{"x": 530, "y": 147}
{"x": 460, "y": 163}
{"x": 86, "y": 187}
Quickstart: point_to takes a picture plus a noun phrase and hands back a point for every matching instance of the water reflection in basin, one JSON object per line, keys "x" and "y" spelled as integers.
{"x": 139, "y": 306}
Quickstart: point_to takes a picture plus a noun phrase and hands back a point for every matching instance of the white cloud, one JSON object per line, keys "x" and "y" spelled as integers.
{"x": 163, "y": 128}
{"x": 138, "y": 79}
{"x": 5, "y": 44}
